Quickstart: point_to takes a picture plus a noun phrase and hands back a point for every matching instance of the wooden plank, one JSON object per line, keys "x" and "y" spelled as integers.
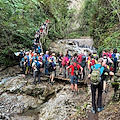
{"x": 60, "y": 78}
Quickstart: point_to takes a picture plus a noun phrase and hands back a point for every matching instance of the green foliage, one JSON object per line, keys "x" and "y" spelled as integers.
{"x": 100, "y": 49}
{"x": 18, "y": 22}
{"x": 99, "y": 20}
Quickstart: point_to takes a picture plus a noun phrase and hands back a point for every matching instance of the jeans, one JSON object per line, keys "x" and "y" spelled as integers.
{"x": 65, "y": 72}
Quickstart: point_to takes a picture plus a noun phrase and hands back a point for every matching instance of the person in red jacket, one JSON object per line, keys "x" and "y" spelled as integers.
{"x": 74, "y": 76}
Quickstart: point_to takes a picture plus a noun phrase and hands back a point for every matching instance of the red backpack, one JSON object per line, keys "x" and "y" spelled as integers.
{"x": 92, "y": 62}
{"x": 64, "y": 62}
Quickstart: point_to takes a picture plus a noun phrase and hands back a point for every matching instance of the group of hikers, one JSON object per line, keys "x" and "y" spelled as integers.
{"x": 42, "y": 31}
{"x": 95, "y": 67}
{"x": 74, "y": 68}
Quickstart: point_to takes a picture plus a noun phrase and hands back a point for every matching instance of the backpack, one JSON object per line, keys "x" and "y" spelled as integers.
{"x": 83, "y": 62}
{"x": 92, "y": 62}
{"x": 114, "y": 58}
{"x": 38, "y": 66}
{"x": 50, "y": 67}
{"x": 106, "y": 60}
{"x": 64, "y": 62}
{"x": 76, "y": 71}
{"x": 96, "y": 76}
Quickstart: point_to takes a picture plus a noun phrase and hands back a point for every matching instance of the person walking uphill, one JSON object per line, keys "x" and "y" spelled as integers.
{"x": 65, "y": 64}
{"x": 52, "y": 68}
{"x": 82, "y": 62}
{"x": 36, "y": 65}
{"x": 96, "y": 74}
{"x": 75, "y": 68}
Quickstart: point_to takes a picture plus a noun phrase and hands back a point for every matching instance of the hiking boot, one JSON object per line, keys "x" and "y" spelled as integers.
{"x": 52, "y": 82}
{"x": 100, "y": 109}
{"x": 76, "y": 93}
{"x": 93, "y": 111}
{"x": 60, "y": 73}
{"x": 33, "y": 83}
{"x": 72, "y": 91}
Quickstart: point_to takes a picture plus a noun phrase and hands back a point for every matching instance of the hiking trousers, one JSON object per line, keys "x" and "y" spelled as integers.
{"x": 99, "y": 98}
{"x": 46, "y": 69}
{"x": 65, "y": 72}
{"x": 35, "y": 73}
{"x": 115, "y": 67}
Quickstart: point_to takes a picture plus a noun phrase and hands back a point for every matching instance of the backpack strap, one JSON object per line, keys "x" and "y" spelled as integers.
{"x": 74, "y": 66}
{"x": 98, "y": 68}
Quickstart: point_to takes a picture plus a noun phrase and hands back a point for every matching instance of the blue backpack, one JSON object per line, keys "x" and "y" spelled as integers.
{"x": 38, "y": 66}
{"x": 114, "y": 57}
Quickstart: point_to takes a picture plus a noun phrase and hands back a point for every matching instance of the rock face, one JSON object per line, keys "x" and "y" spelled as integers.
{"x": 20, "y": 100}
{"x": 18, "y": 95}
{"x": 73, "y": 46}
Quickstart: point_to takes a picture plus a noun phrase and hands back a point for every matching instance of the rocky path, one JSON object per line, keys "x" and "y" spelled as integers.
{"x": 20, "y": 100}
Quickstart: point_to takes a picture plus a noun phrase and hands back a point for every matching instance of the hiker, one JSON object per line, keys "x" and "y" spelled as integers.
{"x": 60, "y": 58}
{"x": 41, "y": 30}
{"x": 36, "y": 34}
{"x": 36, "y": 65}
{"x": 54, "y": 58}
{"x": 74, "y": 74}
{"x": 104, "y": 53}
{"x": 91, "y": 62}
{"x": 105, "y": 76}
{"x": 21, "y": 55}
{"x": 41, "y": 60}
{"x": 34, "y": 57}
{"x": 65, "y": 64}
{"x": 109, "y": 52}
{"x": 47, "y": 21}
{"x": 35, "y": 44}
{"x": 23, "y": 65}
{"x": 74, "y": 56}
{"x": 96, "y": 75}
{"x": 30, "y": 54}
{"x": 88, "y": 58}
{"x": 95, "y": 55}
{"x": 115, "y": 57}
{"x": 69, "y": 56}
{"x": 82, "y": 62}
{"x": 28, "y": 63}
{"x": 107, "y": 60}
{"x": 39, "y": 49}
{"x": 51, "y": 69}
{"x": 46, "y": 62}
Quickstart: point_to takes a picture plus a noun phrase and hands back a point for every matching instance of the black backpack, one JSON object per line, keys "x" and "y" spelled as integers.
{"x": 83, "y": 62}
{"x": 50, "y": 67}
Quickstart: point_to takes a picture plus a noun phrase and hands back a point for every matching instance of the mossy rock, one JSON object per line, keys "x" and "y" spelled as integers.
{"x": 115, "y": 85}
{"x": 117, "y": 74}
{"x": 117, "y": 80}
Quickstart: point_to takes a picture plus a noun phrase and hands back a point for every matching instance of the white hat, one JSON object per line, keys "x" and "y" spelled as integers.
{"x": 41, "y": 53}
